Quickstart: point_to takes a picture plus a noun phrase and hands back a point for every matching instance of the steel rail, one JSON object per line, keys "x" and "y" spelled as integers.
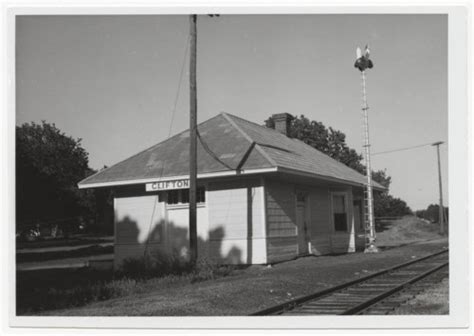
{"x": 380, "y": 297}
{"x": 288, "y": 305}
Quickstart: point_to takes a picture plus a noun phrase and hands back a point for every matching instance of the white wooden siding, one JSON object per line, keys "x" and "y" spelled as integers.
{"x": 281, "y": 221}
{"x": 236, "y": 222}
{"x": 281, "y": 217}
{"x": 321, "y": 244}
{"x": 320, "y": 212}
{"x": 282, "y": 248}
{"x": 232, "y": 227}
{"x": 166, "y": 227}
{"x": 135, "y": 219}
{"x": 178, "y": 229}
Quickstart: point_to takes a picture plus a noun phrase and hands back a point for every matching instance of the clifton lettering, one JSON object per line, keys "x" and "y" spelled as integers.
{"x": 167, "y": 185}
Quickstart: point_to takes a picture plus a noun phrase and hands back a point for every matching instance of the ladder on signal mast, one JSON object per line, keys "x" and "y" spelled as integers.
{"x": 369, "y": 224}
{"x": 367, "y": 218}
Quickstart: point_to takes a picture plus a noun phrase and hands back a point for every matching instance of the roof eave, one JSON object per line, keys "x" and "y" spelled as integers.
{"x": 171, "y": 178}
{"x": 326, "y": 178}
{"x": 224, "y": 174}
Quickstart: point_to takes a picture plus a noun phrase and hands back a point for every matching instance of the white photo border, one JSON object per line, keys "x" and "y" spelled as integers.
{"x": 459, "y": 240}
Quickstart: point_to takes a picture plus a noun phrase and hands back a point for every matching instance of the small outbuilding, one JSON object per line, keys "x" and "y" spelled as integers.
{"x": 262, "y": 196}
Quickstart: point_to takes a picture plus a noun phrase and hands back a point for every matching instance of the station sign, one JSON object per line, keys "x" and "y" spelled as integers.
{"x": 168, "y": 185}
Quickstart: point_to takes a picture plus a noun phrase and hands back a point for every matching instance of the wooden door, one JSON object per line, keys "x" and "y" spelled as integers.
{"x": 301, "y": 223}
{"x": 357, "y": 213}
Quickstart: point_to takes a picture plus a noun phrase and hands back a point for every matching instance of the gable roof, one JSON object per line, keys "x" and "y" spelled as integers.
{"x": 226, "y": 145}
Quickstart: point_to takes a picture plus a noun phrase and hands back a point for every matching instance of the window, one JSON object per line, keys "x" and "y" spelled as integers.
{"x": 173, "y": 196}
{"x": 300, "y": 197}
{"x": 181, "y": 196}
{"x": 339, "y": 212}
{"x": 201, "y": 195}
{"x": 184, "y": 195}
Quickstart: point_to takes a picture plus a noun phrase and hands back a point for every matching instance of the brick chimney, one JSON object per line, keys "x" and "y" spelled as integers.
{"x": 282, "y": 122}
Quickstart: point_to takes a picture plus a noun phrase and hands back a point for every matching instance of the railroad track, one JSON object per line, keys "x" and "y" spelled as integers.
{"x": 375, "y": 294}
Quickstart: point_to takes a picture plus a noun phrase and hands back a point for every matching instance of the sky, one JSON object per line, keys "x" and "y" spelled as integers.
{"x": 113, "y": 81}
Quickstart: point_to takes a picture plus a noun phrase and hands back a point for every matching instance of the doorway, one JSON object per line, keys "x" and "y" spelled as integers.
{"x": 302, "y": 222}
{"x": 357, "y": 210}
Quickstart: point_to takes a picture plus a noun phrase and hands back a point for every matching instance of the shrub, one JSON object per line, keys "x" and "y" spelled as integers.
{"x": 159, "y": 264}
{"x": 154, "y": 264}
{"x": 208, "y": 270}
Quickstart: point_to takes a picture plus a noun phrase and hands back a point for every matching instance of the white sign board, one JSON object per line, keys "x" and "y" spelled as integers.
{"x": 168, "y": 185}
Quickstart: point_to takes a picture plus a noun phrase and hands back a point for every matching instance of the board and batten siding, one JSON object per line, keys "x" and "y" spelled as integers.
{"x": 236, "y": 222}
{"x": 281, "y": 221}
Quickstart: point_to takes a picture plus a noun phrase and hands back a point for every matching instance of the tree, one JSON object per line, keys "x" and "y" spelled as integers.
{"x": 431, "y": 213}
{"x": 327, "y": 140}
{"x": 333, "y": 143}
{"x": 386, "y": 205}
{"x": 49, "y": 164}
{"x": 381, "y": 177}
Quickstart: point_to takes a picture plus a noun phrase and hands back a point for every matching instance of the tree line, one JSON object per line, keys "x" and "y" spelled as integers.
{"x": 431, "y": 213}
{"x": 49, "y": 164}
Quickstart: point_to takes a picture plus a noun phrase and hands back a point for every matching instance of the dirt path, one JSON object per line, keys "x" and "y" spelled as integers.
{"x": 254, "y": 288}
{"x": 61, "y": 248}
{"x": 62, "y": 263}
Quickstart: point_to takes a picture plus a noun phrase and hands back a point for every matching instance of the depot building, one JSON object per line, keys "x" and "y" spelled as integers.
{"x": 262, "y": 197}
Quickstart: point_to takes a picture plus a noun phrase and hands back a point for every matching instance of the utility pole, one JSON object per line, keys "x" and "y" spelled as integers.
{"x": 441, "y": 208}
{"x": 363, "y": 62}
{"x": 193, "y": 240}
{"x": 193, "y": 141}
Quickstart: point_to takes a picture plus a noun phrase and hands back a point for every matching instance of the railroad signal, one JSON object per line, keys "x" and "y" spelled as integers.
{"x": 363, "y": 62}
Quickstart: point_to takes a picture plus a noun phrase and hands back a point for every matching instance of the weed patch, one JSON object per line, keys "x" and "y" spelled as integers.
{"x": 206, "y": 270}
{"x": 57, "y": 289}
{"x": 154, "y": 264}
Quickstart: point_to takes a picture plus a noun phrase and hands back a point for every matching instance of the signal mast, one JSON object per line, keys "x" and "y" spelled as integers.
{"x": 363, "y": 62}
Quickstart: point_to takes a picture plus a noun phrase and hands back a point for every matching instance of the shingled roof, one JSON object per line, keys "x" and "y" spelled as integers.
{"x": 226, "y": 144}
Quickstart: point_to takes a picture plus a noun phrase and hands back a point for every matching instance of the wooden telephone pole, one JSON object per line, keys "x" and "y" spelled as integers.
{"x": 193, "y": 141}
{"x": 193, "y": 240}
{"x": 441, "y": 207}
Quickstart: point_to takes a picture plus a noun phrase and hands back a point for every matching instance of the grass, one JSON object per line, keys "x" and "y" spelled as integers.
{"x": 137, "y": 291}
{"x": 247, "y": 290}
{"x": 46, "y": 289}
